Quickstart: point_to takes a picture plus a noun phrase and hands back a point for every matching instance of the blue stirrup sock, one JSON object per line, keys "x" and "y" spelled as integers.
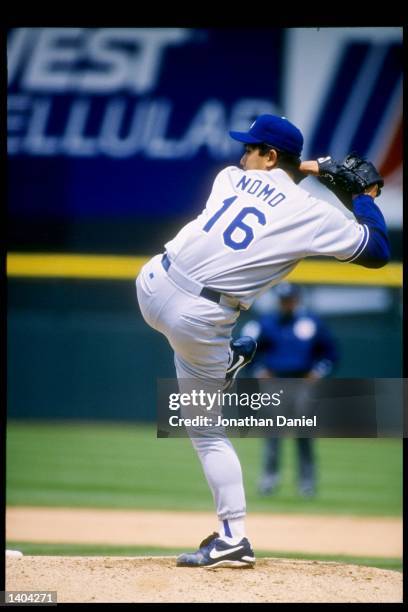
{"x": 232, "y": 530}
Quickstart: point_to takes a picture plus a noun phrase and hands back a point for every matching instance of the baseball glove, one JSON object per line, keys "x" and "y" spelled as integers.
{"x": 350, "y": 177}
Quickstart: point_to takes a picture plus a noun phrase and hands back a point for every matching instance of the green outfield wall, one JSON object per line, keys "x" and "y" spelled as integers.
{"x": 79, "y": 348}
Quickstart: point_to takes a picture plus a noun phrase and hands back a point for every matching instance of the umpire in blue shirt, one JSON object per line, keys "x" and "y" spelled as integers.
{"x": 292, "y": 343}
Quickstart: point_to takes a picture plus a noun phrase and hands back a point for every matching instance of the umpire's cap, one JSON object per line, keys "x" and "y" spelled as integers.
{"x": 287, "y": 290}
{"x": 274, "y": 131}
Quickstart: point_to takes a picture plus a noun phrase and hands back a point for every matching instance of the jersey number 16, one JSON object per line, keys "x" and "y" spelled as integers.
{"x": 236, "y": 223}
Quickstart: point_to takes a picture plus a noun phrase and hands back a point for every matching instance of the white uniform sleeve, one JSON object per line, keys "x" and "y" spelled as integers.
{"x": 223, "y": 183}
{"x": 338, "y": 236}
{"x": 225, "y": 180}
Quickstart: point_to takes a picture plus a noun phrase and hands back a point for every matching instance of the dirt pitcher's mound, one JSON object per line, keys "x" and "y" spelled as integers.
{"x": 157, "y": 579}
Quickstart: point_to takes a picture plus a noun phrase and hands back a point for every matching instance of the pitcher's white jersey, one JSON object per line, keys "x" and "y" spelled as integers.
{"x": 256, "y": 226}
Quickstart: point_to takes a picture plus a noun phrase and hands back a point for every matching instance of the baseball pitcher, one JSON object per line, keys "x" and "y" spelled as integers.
{"x": 256, "y": 226}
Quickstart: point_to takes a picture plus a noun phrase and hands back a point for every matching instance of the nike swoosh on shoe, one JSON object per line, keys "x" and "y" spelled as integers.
{"x": 216, "y": 554}
{"x": 234, "y": 367}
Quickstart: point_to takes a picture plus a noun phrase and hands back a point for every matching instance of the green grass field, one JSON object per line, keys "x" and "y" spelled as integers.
{"x": 126, "y": 466}
{"x": 89, "y": 550}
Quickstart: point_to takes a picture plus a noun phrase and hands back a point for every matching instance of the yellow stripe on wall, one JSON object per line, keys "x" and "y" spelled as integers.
{"x": 336, "y": 273}
{"x": 106, "y": 267}
{"x": 117, "y": 267}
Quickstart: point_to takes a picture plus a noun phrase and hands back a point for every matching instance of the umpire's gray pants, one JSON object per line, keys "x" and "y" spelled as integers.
{"x": 199, "y": 332}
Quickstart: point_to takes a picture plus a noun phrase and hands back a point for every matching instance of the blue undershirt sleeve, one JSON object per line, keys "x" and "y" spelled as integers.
{"x": 376, "y": 253}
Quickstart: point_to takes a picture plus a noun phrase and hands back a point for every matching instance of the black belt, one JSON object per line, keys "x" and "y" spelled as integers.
{"x": 205, "y": 292}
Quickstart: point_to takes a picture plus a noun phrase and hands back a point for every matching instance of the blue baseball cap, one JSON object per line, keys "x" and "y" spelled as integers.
{"x": 287, "y": 290}
{"x": 274, "y": 131}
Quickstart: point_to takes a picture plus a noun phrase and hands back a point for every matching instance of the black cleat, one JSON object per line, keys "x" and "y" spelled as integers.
{"x": 242, "y": 351}
{"x": 214, "y": 552}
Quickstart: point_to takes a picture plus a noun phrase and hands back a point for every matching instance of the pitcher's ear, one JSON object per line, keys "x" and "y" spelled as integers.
{"x": 272, "y": 159}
